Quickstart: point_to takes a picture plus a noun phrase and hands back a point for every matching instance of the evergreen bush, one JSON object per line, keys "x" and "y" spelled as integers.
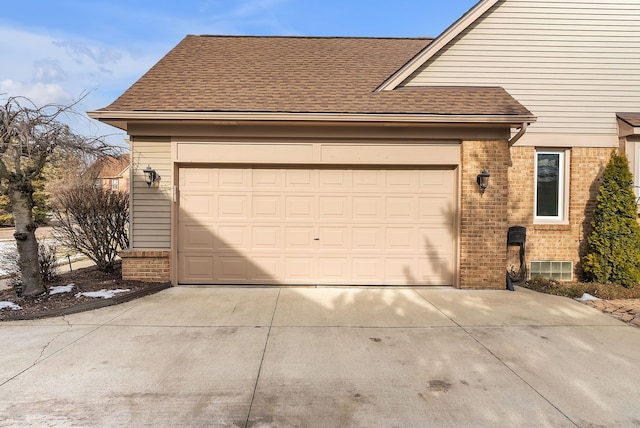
{"x": 613, "y": 254}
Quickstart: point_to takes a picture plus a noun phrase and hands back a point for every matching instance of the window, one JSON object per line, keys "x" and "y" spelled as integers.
{"x": 97, "y": 184}
{"x": 558, "y": 270}
{"x": 114, "y": 184}
{"x": 550, "y": 186}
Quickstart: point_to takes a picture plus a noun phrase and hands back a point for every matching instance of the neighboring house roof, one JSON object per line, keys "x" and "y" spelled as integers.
{"x": 298, "y": 75}
{"x": 438, "y": 44}
{"x": 111, "y": 166}
{"x": 632, "y": 119}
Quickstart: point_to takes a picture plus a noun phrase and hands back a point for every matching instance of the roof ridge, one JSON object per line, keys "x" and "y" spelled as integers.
{"x": 312, "y": 37}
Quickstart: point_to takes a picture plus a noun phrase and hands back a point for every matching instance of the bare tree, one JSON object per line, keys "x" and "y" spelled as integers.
{"x": 29, "y": 135}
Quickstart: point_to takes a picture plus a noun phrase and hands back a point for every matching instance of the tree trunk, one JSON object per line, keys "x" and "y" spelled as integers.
{"x": 22, "y": 205}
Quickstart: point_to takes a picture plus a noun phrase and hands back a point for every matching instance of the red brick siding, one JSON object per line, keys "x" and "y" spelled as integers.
{"x": 146, "y": 265}
{"x": 555, "y": 242}
{"x": 483, "y": 217}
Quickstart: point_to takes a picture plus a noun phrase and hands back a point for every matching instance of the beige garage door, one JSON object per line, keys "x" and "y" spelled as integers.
{"x": 316, "y": 226}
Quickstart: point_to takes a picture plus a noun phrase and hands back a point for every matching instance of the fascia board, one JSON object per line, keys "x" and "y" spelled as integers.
{"x": 230, "y": 117}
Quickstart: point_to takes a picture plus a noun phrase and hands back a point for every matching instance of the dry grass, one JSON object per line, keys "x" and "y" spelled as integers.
{"x": 577, "y": 289}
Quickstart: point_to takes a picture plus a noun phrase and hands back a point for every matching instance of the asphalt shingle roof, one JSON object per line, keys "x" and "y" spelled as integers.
{"x": 299, "y": 75}
{"x": 632, "y": 119}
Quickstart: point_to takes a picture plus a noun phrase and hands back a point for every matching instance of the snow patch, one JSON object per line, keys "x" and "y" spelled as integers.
{"x": 586, "y": 296}
{"x": 61, "y": 289}
{"x": 103, "y": 294}
{"x": 9, "y": 305}
{"x": 9, "y": 256}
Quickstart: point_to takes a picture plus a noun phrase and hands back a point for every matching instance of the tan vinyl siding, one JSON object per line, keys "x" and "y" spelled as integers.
{"x": 573, "y": 63}
{"x": 151, "y": 207}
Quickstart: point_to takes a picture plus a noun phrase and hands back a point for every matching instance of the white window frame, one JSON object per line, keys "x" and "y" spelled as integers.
{"x": 636, "y": 175}
{"x": 114, "y": 181}
{"x": 563, "y": 190}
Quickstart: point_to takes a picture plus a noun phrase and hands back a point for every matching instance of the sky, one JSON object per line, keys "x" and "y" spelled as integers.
{"x": 56, "y": 51}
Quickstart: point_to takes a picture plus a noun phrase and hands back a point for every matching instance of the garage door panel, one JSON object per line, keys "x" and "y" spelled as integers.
{"x": 401, "y": 270}
{"x": 368, "y": 180}
{"x": 266, "y": 237}
{"x": 367, "y": 238}
{"x": 300, "y": 207}
{"x": 436, "y": 182}
{"x": 435, "y": 210}
{"x": 299, "y": 179}
{"x": 334, "y": 179}
{"x": 401, "y": 239}
{"x": 367, "y": 207}
{"x": 434, "y": 271}
{"x": 334, "y": 270}
{"x": 265, "y": 269}
{"x": 266, "y": 207}
{"x": 197, "y": 206}
{"x": 197, "y": 178}
{"x": 367, "y": 270}
{"x": 401, "y": 180}
{"x": 334, "y": 238}
{"x": 230, "y": 237}
{"x": 231, "y": 267}
{"x": 197, "y": 269}
{"x": 400, "y": 208}
{"x": 314, "y": 226}
{"x": 300, "y": 269}
{"x": 195, "y": 237}
{"x": 267, "y": 179}
{"x": 434, "y": 241}
{"x": 334, "y": 207}
{"x": 233, "y": 207}
{"x": 300, "y": 238}
{"x": 234, "y": 178}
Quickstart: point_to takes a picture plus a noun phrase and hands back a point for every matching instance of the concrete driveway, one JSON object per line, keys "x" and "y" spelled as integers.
{"x": 324, "y": 357}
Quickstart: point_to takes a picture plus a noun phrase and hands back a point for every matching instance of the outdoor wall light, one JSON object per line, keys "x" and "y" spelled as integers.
{"x": 150, "y": 175}
{"x": 483, "y": 180}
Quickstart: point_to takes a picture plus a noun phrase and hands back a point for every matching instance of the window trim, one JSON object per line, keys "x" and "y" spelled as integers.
{"x": 563, "y": 191}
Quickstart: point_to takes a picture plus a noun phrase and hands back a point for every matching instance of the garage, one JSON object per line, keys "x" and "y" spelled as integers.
{"x": 329, "y": 225}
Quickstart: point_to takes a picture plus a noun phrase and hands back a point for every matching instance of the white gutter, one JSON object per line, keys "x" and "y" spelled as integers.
{"x": 515, "y": 138}
{"x": 106, "y": 116}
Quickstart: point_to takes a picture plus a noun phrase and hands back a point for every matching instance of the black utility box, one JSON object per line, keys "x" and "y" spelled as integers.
{"x": 516, "y": 235}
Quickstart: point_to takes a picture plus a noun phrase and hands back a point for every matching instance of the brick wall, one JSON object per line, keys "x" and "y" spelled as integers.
{"x": 146, "y": 265}
{"x": 483, "y": 217}
{"x": 563, "y": 241}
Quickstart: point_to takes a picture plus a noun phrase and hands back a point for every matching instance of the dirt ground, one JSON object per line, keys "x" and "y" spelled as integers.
{"x": 84, "y": 280}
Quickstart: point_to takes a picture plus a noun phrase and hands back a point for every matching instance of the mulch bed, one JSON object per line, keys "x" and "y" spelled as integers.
{"x": 84, "y": 280}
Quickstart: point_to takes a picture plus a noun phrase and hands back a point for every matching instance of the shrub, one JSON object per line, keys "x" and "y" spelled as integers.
{"x": 93, "y": 222}
{"x": 577, "y": 289}
{"x": 48, "y": 261}
{"x": 613, "y": 254}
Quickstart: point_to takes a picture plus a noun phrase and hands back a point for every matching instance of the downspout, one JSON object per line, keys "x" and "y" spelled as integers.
{"x": 515, "y": 138}
{"x": 518, "y": 278}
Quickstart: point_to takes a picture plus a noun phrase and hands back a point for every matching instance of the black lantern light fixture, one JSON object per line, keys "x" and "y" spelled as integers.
{"x": 150, "y": 175}
{"x": 483, "y": 180}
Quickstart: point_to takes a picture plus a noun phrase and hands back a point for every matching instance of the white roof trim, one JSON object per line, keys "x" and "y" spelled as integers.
{"x": 436, "y": 45}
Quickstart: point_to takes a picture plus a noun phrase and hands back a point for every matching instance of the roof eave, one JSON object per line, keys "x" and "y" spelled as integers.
{"x": 120, "y": 119}
{"x": 436, "y": 45}
{"x": 626, "y": 128}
